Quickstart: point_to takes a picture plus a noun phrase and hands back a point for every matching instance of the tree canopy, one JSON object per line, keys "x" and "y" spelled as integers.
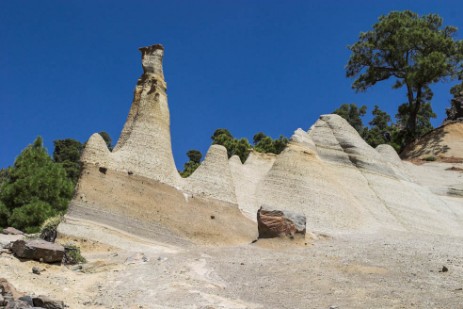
{"x": 35, "y": 189}
{"x": 107, "y": 139}
{"x": 67, "y": 152}
{"x": 239, "y": 147}
{"x": 265, "y": 144}
{"x": 380, "y": 130}
{"x": 194, "y": 162}
{"x": 352, "y": 114}
{"x": 416, "y": 51}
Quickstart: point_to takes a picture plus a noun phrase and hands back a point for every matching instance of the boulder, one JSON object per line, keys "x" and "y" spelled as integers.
{"x": 277, "y": 223}
{"x": 39, "y": 250}
{"x": 12, "y": 231}
{"x": 46, "y": 302}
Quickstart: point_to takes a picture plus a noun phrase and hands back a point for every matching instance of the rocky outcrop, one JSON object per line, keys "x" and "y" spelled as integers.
{"x": 144, "y": 147}
{"x": 276, "y": 223}
{"x": 46, "y": 302}
{"x": 246, "y": 178}
{"x": 213, "y": 177}
{"x": 12, "y": 298}
{"x": 328, "y": 173}
{"x": 441, "y": 144}
{"x": 39, "y": 250}
{"x": 12, "y": 231}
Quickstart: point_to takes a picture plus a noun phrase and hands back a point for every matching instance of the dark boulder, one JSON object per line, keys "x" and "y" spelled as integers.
{"x": 39, "y": 250}
{"x": 46, "y": 302}
{"x": 277, "y": 223}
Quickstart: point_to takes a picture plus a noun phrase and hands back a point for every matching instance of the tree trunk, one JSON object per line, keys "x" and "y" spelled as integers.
{"x": 414, "y": 108}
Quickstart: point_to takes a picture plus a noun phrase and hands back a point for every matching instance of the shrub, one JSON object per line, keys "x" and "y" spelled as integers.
{"x": 239, "y": 147}
{"x": 4, "y": 215}
{"x": 49, "y": 231}
{"x": 265, "y": 144}
{"x": 430, "y": 158}
{"x": 35, "y": 189}
{"x": 29, "y": 217}
{"x": 72, "y": 255}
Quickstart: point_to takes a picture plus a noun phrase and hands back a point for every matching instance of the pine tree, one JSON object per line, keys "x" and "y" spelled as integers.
{"x": 36, "y": 189}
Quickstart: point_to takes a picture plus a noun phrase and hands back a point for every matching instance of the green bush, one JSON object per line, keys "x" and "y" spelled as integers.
{"x": 239, "y": 147}
{"x": 194, "y": 162}
{"x": 4, "y": 215}
{"x": 72, "y": 255}
{"x": 49, "y": 229}
{"x": 35, "y": 189}
{"x": 265, "y": 144}
{"x": 67, "y": 152}
{"x": 430, "y": 158}
{"x": 28, "y": 218}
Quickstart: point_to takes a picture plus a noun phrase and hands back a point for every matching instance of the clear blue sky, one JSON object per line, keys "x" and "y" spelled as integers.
{"x": 68, "y": 68}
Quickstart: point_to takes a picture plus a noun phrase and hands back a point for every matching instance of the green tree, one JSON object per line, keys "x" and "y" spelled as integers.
{"x": 414, "y": 50}
{"x": 4, "y": 214}
{"x": 35, "y": 180}
{"x": 194, "y": 155}
{"x": 107, "y": 139}
{"x": 194, "y": 162}
{"x": 381, "y": 130}
{"x": 265, "y": 144}
{"x": 67, "y": 152}
{"x": 239, "y": 147}
{"x": 423, "y": 119}
{"x": 353, "y": 115}
{"x": 4, "y": 175}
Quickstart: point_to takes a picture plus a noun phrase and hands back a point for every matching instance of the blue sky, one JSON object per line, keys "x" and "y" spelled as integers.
{"x": 68, "y": 68}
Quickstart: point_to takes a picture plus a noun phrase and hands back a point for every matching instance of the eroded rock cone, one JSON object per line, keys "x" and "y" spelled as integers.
{"x": 39, "y": 250}
{"x": 276, "y": 223}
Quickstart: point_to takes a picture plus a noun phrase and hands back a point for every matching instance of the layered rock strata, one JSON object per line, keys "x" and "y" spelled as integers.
{"x": 328, "y": 173}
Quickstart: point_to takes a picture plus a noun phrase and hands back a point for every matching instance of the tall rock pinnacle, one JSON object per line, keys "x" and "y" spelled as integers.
{"x": 144, "y": 146}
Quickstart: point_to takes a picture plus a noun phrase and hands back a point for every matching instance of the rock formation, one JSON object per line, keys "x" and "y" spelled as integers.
{"x": 39, "y": 250}
{"x": 444, "y": 142}
{"x": 276, "y": 223}
{"x": 328, "y": 173}
{"x": 144, "y": 147}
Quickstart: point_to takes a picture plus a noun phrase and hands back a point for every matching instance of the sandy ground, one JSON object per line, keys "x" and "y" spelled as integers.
{"x": 382, "y": 270}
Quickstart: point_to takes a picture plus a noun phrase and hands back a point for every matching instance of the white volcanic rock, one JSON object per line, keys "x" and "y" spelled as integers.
{"x": 247, "y": 176}
{"x": 358, "y": 151}
{"x": 96, "y": 151}
{"x": 213, "y": 177}
{"x": 300, "y": 182}
{"x": 388, "y": 153}
{"x": 329, "y": 174}
{"x": 347, "y": 185}
{"x": 144, "y": 147}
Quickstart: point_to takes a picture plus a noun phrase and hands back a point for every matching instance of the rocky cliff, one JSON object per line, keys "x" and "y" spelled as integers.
{"x": 328, "y": 173}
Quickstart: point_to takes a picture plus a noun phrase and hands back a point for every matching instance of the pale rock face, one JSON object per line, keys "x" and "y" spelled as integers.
{"x": 96, "y": 152}
{"x": 388, "y": 153}
{"x": 246, "y": 178}
{"x": 358, "y": 151}
{"x": 329, "y": 174}
{"x": 445, "y": 141}
{"x": 300, "y": 182}
{"x": 213, "y": 177}
{"x": 144, "y": 147}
